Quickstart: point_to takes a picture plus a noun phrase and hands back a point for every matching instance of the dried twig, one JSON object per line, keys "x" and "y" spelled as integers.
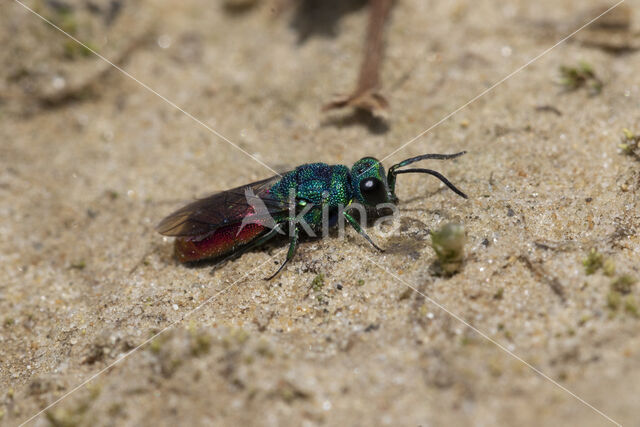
{"x": 365, "y": 96}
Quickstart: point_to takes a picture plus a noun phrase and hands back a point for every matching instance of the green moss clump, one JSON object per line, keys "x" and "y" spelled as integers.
{"x": 630, "y": 143}
{"x": 115, "y": 409}
{"x": 466, "y": 340}
{"x": 623, "y": 285}
{"x": 156, "y": 344}
{"x": 318, "y": 282}
{"x": 631, "y": 306}
{"x": 583, "y": 320}
{"x": 67, "y": 21}
{"x": 593, "y": 262}
{"x": 200, "y": 343}
{"x": 236, "y": 337}
{"x": 609, "y": 267}
{"x": 574, "y": 78}
{"x": 448, "y": 243}
{"x": 75, "y": 415}
{"x": 596, "y": 261}
{"x": 63, "y": 418}
{"x": 74, "y": 50}
{"x": 613, "y": 300}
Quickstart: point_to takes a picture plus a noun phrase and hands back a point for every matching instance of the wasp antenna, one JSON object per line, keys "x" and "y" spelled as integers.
{"x": 437, "y": 175}
{"x": 427, "y": 157}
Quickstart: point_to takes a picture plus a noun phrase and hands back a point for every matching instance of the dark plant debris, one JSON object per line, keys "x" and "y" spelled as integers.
{"x": 623, "y": 284}
{"x": 239, "y": 6}
{"x": 620, "y": 296}
{"x": 612, "y": 32}
{"x": 548, "y": 109}
{"x": 78, "y": 265}
{"x": 541, "y": 274}
{"x": 631, "y": 306}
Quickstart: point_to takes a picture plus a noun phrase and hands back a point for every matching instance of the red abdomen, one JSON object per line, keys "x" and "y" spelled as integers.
{"x": 222, "y": 241}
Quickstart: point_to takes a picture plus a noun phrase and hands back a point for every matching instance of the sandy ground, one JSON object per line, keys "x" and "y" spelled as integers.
{"x": 90, "y": 161}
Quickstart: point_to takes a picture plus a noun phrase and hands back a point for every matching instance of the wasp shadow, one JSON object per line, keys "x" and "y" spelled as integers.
{"x": 358, "y": 117}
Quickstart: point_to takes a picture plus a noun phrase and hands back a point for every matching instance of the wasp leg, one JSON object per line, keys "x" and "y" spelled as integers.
{"x": 261, "y": 240}
{"x": 293, "y": 245}
{"x": 360, "y": 231}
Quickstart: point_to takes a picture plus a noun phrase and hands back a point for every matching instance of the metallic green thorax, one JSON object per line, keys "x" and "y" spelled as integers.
{"x": 333, "y": 189}
{"x": 328, "y": 186}
{"x": 317, "y": 184}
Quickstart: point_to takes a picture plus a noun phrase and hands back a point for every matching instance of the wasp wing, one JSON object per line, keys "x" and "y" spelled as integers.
{"x": 225, "y": 208}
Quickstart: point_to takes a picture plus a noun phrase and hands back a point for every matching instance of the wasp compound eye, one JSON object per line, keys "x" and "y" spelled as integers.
{"x": 373, "y": 191}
